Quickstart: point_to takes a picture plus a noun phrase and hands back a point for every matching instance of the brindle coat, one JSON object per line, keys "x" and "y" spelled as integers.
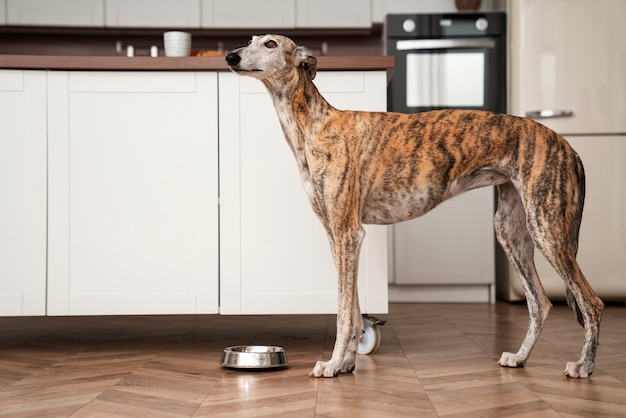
{"x": 382, "y": 168}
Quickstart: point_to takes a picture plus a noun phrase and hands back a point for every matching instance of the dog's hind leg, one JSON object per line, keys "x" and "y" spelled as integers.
{"x": 589, "y": 306}
{"x": 556, "y": 234}
{"x": 513, "y": 236}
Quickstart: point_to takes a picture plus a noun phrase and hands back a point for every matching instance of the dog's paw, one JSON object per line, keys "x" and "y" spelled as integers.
{"x": 325, "y": 369}
{"x": 511, "y": 360}
{"x": 577, "y": 371}
{"x": 348, "y": 365}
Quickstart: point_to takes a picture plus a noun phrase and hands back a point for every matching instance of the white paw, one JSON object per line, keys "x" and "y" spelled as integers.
{"x": 348, "y": 364}
{"x": 511, "y": 360}
{"x": 575, "y": 370}
{"x": 325, "y": 369}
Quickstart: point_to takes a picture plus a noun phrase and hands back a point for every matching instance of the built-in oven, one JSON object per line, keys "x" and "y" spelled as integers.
{"x": 455, "y": 60}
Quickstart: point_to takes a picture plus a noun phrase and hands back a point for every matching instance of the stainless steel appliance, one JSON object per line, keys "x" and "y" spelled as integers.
{"x": 447, "y": 61}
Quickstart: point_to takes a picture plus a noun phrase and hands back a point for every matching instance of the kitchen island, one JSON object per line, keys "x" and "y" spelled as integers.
{"x": 165, "y": 186}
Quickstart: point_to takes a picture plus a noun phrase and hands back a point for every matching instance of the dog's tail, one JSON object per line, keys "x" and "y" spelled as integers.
{"x": 579, "y": 201}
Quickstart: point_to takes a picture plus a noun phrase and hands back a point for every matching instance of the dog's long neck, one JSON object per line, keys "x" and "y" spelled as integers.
{"x": 302, "y": 112}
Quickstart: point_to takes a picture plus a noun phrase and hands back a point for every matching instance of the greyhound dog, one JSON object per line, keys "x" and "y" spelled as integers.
{"x": 383, "y": 168}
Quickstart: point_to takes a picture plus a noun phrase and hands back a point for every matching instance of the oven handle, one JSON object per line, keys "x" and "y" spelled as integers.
{"x": 413, "y": 44}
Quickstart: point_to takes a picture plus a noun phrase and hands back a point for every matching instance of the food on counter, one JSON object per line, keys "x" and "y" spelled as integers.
{"x": 207, "y": 54}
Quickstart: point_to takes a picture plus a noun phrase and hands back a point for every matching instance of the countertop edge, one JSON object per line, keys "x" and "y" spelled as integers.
{"x": 102, "y": 63}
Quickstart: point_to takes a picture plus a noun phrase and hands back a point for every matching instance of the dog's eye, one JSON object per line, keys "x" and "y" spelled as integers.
{"x": 271, "y": 44}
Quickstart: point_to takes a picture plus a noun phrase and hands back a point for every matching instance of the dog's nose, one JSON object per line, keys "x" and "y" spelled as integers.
{"x": 233, "y": 59}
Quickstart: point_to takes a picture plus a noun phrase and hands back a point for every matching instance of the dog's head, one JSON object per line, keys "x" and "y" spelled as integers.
{"x": 271, "y": 56}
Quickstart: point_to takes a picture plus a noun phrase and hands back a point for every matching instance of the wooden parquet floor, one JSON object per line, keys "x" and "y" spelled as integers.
{"x": 434, "y": 360}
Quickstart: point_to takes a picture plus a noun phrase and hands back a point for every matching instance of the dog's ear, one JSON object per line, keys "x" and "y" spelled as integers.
{"x": 306, "y": 59}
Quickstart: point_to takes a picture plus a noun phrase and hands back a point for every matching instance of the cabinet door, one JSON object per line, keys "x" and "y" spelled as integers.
{"x": 55, "y": 12}
{"x": 275, "y": 257}
{"x": 380, "y": 8}
{"x": 133, "y": 211}
{"x": 229, "y": 14}
{"x": 568, "y": 55}
{"x": 602, "y": 242}
{"x": 447, "y": 255}
{"x": 345, "y": 14}
{"x": 22, "y": 192}
{"x": 153, "y": 13}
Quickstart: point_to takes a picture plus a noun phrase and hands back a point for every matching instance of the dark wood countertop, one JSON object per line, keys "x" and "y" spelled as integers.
{"x": 101, "y": 63}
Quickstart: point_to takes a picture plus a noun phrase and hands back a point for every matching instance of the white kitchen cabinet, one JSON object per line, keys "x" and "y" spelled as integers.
{"x": 231, "y": 14}
{"x": 274, "y": 254}
{"x": 456, "y": 263}
{"x": 569, "y": 55}
{"x": 380, "y": 8}
{"x": 55, "y": 12}
{"x": 333, "y": 14}
{"x": 22, "y": 192}
{"x": 285, "y": 14}
{"x": 152, "y": 13}
{"x": 133, "y": 210}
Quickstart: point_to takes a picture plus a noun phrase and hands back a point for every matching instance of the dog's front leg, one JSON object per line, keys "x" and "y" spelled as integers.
{"x": 346, "y": 248}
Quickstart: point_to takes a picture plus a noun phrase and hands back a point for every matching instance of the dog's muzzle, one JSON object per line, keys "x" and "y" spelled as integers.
{"x": 233, "y": 59}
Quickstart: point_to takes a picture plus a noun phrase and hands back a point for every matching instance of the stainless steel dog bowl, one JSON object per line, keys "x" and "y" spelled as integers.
{"x": 253, "y": 357}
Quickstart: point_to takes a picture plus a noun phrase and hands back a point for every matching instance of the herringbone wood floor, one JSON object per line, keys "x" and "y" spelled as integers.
{"x": 434, "y": 360}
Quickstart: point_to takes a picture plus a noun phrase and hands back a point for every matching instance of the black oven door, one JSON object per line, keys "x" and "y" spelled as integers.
{"x": 462, "y": 73}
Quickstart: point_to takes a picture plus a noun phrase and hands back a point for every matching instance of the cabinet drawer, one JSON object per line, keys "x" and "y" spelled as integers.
{"x": 135, "y": 82}
{"x": 55, "y": 12}
{"x": 229, "y": 14}
{"x": 155, "y": 13}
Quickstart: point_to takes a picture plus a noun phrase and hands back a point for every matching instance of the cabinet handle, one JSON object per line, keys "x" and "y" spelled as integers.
{"x": 549, "y": 113}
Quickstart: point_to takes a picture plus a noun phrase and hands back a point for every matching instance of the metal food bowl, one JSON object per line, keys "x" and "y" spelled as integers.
{"x": 254, "y": 357}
